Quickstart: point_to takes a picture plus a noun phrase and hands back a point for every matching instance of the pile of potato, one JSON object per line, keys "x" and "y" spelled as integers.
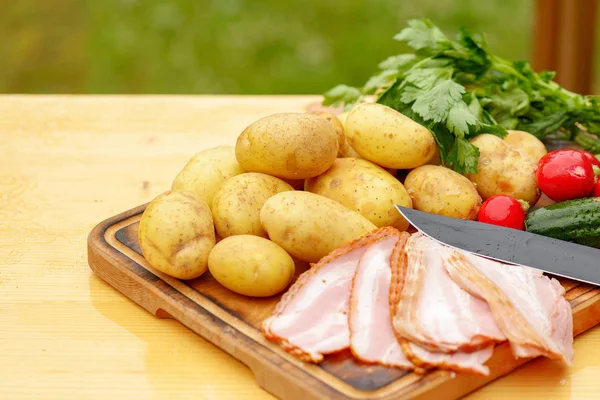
{"x": 296, "y": 186}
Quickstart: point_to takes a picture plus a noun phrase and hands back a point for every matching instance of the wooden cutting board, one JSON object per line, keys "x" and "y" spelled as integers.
{"x": 231, "y": 322}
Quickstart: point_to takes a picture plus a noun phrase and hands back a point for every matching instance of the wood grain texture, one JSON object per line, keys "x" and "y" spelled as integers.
{"x": 232, "y": 322}
{"x": 68, "y": 162}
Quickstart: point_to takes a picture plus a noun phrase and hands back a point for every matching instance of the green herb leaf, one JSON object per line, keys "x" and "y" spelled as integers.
{"x": 382, "y": 79}
{"x": 444, "y": 140}
{"x": 421, "y": 34}
{"x": 459, "y": 119}
{"x": 341, "y": 94}
{"x": 410, "y": 94}
{"x": 463, "y": 157}
{"x": 547, "y": 76}
{"x": 475, "y": 107}
{"x": 497, "y": 130}
{"x": 543, "y": 127}
{"x": 512, "y": 100}
{"x": 395, "y": 62}
{"x": 435, "y": 104}
{"x": 426, "y": 77}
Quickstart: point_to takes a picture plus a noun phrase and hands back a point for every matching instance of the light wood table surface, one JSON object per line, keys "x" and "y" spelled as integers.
{"x": 67, "y": 163}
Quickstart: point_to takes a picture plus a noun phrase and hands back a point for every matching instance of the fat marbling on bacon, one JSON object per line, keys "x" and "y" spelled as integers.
{"x": 409, "y": 302}
{"x": 372, "y": 338}
{"x": 528, "y": 306}
{"x": 438, "y": 323}
{"x": 311, "y": 319}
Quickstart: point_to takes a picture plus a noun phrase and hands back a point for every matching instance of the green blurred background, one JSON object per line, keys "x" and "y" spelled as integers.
{"x": 226, "y": 46}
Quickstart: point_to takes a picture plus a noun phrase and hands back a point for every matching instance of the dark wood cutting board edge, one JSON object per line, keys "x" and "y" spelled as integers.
{"x": 119, "y": 264}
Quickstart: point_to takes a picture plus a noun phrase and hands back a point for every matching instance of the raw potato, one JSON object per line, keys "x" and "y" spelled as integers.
{"x": 347, "y": 151}
{"x": 236, "y": 205}
{"x": 364, "y": 187}
{"x": 206, "y": 171}
{"x": 251, "y": 265}
{"x": 439, "y": 190}
{"x": 337, "y": 125}
{"x": 288, "y": 145}
{"x": 436, "y": 159}
{"x": 309, "y": 226}
{"x": 388, "y": 138}
{"x": 176, "y": 234}
{"x": 503, "y": 170}
{"x": 342, "y": 118}
{"x": 526, "y": 143}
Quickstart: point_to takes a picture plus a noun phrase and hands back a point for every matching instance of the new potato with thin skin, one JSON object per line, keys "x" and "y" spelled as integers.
{"x": 504, "y": 170}
{"x": 337, "y": 125}
{"x": 288, "y": 145}
{"x": 345, "y": 149}
{"x": 388, "y": 138}
{"x": 309, "y": 226}
{"x": 251, "y": 265}
{"x": 365, "y": 188}
{"x": 527, "y": 144}
{"x": 206, "y": 171}
{"x": 176, "y": 234}
{"x": 236, "y": 205}
{"x": 439, "y": 190}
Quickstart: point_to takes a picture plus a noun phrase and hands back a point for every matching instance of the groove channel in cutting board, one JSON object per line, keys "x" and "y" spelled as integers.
{"x": 231, "y": 322}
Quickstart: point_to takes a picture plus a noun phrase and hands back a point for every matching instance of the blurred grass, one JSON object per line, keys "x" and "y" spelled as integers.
{"x": 226, "y": 46}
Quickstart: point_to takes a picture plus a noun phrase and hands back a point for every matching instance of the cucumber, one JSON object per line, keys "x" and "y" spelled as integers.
{"x": 572, "y": 220}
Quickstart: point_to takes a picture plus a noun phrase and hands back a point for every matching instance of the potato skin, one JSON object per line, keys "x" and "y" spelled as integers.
{"x": 176, "y": 234}
{"x": 503, "y": 170}
{"x": 309, "y": 226}
{"x": 526, "y": 143}
{"x": 364, "y": 187}
{"x": 342, "y": 118}
{"x": 388, "y": 138}
{"x": 346, "y": 151}
{"x": 206, "y": 171}
{"x": 436, "y": 159}
{"x": 288, "y": 145}
{"x": 337, "y": 125}
{"x": 236, "y": 205}
{"x": 439, "y": 190}
{"x": 251, "y": 265}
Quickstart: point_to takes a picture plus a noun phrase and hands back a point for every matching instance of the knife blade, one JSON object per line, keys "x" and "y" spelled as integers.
{"x": 512, "y": 246}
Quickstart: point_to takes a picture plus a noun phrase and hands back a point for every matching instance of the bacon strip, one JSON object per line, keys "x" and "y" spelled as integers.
{"x": 529, "y": 307}
{"x": 372, "y": 338}
{"x": 460, "y": 361}
{"x": 433, "y": 312}
{"x": 311, "y": 319}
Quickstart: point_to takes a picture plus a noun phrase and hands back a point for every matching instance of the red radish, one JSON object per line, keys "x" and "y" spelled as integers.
{"x": 597, "y": 189}
{"x": 565, "y": 174}
{"x": 504, "y": 211}
{"x": 591, "y": 157}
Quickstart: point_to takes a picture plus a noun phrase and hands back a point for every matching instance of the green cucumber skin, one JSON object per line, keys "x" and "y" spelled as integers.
{"x": 572, "y": 220}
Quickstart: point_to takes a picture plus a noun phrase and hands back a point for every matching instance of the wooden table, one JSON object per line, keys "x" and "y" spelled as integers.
{"x": 66, "y": 163}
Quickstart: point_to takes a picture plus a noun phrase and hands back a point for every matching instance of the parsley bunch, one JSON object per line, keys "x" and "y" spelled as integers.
{"x": 459, "y": 89}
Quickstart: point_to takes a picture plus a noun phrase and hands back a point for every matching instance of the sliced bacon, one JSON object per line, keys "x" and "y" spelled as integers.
{"x": 372, "y": 338}
{"x": 432, "y": 311}
{"x": 460, "y": 361}
{"x": 311, "y": 319}
{"x": 529, "y": 307}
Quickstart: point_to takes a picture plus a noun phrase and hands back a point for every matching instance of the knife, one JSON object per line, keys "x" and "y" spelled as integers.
{"x": 512, "y": 246}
